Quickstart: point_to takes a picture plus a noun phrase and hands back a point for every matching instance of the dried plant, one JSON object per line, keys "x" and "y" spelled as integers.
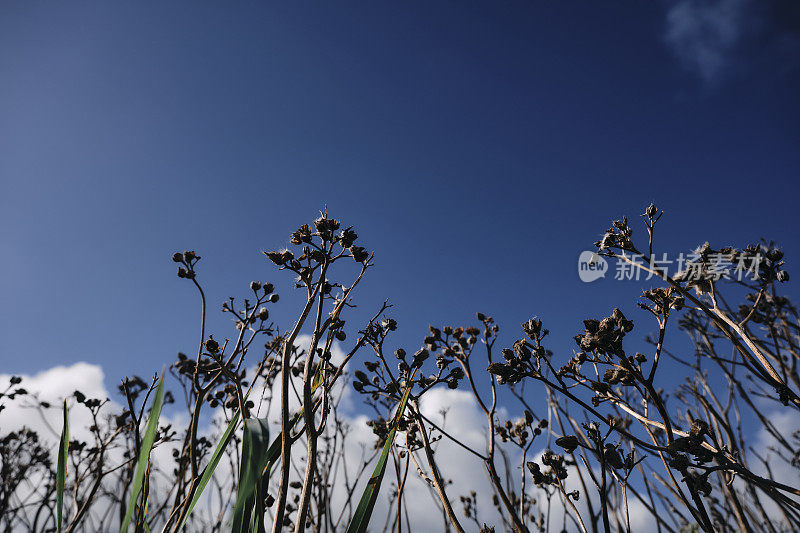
{"x": 598, "y": 431}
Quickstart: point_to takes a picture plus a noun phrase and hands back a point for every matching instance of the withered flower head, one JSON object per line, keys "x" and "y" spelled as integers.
{"x": 521, "y": 349}
{"x": 326, "y": 227}
{"x": 302, "y": 235}
{"x": 612, "y": 456}
{"x": 212, "y": 345}
{"x": 532, "y": 328}
{"x": 280, "y": 258}
{"x": 359, "y": 254}
{"x": 699, "y": 428}
{"x": 347, "y": 237}
{"x": 420, "y": 356}
{"x": 568, "y": 442}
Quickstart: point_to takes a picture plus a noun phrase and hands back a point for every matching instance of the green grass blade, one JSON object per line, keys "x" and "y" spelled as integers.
{"x": 363, "y": 512}
{"x": 61, "y": 470}
{"x": 144, "y": 454}
{"x": 211, "y": 466}
{"x": 145, "y": 499}
{"x": 248, "y": 511}
{"x": 266, "y": 462}
{"x": 271, "y": 457}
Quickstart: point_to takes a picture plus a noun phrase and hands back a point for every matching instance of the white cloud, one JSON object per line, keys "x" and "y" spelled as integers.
{"x": 52, "y": 386}
{"x": 463, "y": 420}
{"x": 767, "y": 446}
{"x": 703, "y": 34}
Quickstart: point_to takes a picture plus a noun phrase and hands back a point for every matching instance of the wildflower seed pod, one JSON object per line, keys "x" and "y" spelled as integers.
{"x": 212, "y": 345}
{"x": 568, "y": 442}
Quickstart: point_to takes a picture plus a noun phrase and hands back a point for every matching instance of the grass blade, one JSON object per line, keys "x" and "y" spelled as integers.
{"x": 61, "y": 470}
{"x": 142, "y": 524}
{"x": 248, "y": 511}
{"x": 270, "y": 458}
{"x": 208, "y": 471}
{"x": 363, "y": 512}
{"x": 144, "y": 454}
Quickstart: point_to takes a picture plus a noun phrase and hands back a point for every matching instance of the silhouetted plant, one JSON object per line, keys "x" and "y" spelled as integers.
{"x": 595, "y": 431}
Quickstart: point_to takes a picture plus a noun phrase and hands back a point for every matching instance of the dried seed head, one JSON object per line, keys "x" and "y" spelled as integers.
{"x": 532, "y": 328}
{"x": 359, "y": 254}
{"x": 568, "y": 442}
{"x": 528, "y": 417}
{"x": 699, "y": 428}
{"x": 212, "y": 345}
{"x": 348, "y": 237}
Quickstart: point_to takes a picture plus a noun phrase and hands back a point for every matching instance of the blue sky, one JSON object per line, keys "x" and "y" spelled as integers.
{"x": 477, "y": 147}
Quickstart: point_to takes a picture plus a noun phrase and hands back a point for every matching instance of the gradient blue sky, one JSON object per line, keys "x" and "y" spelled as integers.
{"x": 477, "y": 147}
